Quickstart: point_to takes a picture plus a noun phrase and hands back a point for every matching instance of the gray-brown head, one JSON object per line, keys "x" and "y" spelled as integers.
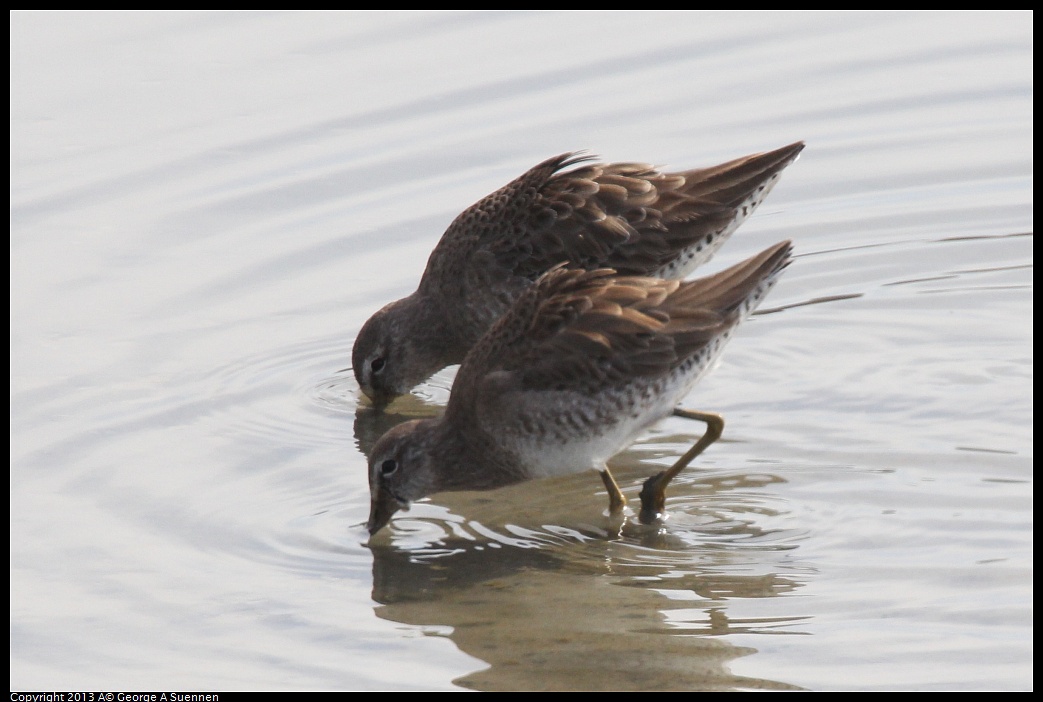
{"x": 396, "y": 350}
{"x": 401, "y": 470}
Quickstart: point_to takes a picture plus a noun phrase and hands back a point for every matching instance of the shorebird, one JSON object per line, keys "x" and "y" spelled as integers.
{"x": 580, "y": 365}
{"x": 626, "y": 216}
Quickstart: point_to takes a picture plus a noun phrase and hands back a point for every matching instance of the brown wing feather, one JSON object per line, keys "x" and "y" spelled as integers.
{"x": 626, "y": 216}
{"x": 581, "y": 331}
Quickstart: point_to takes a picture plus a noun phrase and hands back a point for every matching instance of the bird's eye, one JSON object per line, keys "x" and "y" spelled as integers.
{"x": 388, "y": 467}
{"x": 377, "y": 364}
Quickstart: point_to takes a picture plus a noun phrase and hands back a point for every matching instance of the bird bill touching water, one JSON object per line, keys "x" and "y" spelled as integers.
{"x": 626, "y": 216}
{"x": 578, "y": 367}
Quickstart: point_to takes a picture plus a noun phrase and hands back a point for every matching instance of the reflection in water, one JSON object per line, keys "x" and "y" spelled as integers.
{"x": 370, "y": 424}
{"x": 559, "y": 617}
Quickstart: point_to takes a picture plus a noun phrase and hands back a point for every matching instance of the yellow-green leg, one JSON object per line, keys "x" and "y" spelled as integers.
{"x": 653, "y": 493}
{"x": 616, "y": 500}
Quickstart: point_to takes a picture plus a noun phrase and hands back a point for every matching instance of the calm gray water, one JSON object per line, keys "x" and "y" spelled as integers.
{"x": 205, "y": 207}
